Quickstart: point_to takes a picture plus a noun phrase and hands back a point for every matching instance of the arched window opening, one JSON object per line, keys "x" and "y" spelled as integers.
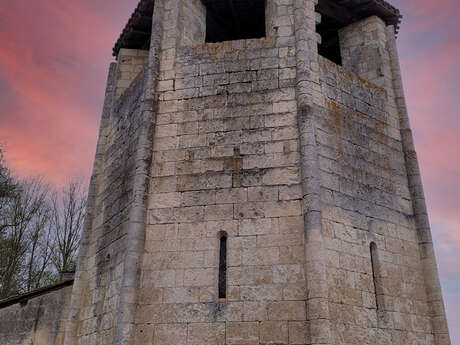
{"x": 223, "y": 266}
{"x": 376, "y": 277}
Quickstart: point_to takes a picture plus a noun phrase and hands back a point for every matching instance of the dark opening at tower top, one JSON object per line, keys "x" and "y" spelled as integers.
{"x": 229, "y": 20}
{"x": 336, "y": 15}
{"x": 328, "y": 29}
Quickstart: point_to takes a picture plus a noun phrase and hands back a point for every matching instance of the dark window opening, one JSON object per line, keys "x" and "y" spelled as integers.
{"x": 330, "y": 46}
{"x": 229, "y": 20}
{"x": 334, "y": 17}
{"x": 328, "y": 29}
{"x": 223, "y": 266}
{"x": 376, "y": 276}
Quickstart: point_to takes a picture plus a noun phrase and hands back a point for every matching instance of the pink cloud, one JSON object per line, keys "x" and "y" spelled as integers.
{"x": 55, "y": 69}
{"x": 423, "y": 15}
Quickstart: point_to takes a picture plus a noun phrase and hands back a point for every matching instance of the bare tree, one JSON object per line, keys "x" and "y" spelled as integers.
{"x": 39, "y": 231}
{"x": 6, "y": 181}
{"x": 7, "y": 188}
{"x": 68, "y": 214}
{"x": 39, "y": 253}
{"x": 22, "y": 222}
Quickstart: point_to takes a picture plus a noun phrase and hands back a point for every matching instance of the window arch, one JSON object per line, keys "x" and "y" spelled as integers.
{"x": 222, "y": 265}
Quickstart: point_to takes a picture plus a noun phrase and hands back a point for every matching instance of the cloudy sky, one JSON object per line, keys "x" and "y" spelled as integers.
{"x": 54, "y": 56}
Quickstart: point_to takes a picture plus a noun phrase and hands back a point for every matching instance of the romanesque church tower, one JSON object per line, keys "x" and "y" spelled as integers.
{"x": 255, "y": 182}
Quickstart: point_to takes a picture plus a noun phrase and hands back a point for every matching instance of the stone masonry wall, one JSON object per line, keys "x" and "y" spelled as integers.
{"x": 131, "y": 62}
{"x": 101, "y": 273}
{"x": 365, "y": 197}
{"x": 225, "y": 159}
{"x": 299, "y": 161}
{"x": 39, "y": 322}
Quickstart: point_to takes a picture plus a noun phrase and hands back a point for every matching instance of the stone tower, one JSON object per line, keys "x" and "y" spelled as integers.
{"x": 255, "y": 182}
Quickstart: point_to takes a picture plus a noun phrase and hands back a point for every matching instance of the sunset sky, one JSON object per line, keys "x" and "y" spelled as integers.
{"x": 54, "y": 57}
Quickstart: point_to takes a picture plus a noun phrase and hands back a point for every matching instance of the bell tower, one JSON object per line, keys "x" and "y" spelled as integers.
{"x": 256, "y": 182}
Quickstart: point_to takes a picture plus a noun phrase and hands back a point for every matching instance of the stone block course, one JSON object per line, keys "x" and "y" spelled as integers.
{"x": 299, "y": 162}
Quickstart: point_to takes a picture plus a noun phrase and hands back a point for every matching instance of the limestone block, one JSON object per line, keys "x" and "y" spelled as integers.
{"x": 206, "y": 333}
{"x": 190, "y": 214}
{"x": 231, "y": 196}
{"x": 230, "y": 311}
{"x": 251, "y": 275}
{"x": 242, "y": 242}
{"x": 242, "y": 333}
{"x": 284, "y": 133}
{"x": 260, "y": 256}
{"x": 283, "y": 208}
{"x": 219, "y": 212}
{"x": 294, "y": 291}
{"x": 170, "y": 334}
{"x": 286, "y": 310}
{"x": 165, "y": 278}
{"x": 290, "y": 192}
{"x": 262, "y": 193}
{"x": 261, "y": 293}
{"x": 255, "y": 311}
{"x": 169, "y": 130}
{"x": 199, "y": 277}
{"x": 191, "y": 230}
{"x": 292, "y": 254}
{"x": 276, "y": 239}
{"x": 196, "y": 198}
{"x": 288, "y": 273}
{"x": 274, "y": 332}
{"x": 291, "y": 225}
{"x": 248, "y": 227}
{"x": 197, "y": 244}
{"x": 215, "y": 227}
{"x": 281, "y": 176}
{"x": 165, "y": 200}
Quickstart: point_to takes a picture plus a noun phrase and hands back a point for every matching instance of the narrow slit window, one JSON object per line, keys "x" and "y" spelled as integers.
{"x": 223, "y": 266}
{"x": 376, "y": 276}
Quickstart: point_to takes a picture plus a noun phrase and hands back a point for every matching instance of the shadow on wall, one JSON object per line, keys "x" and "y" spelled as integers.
{"x": 37, "y": 317}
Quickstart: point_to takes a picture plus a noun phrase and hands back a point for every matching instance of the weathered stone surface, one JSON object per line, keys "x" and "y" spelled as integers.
{"x": 301, "y": 163}
{"x": 38, "y": 320}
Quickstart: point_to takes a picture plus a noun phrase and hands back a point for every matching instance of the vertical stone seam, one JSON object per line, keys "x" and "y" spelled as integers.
{"x": 72, "y": 323}
{"x": 124, "y": 332}
{"x": 318, "y": 320}
{"x": 430, "y": 270}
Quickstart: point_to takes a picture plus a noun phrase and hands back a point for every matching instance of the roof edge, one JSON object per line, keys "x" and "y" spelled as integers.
{"x": 129, "y": 27}
{"x": 35, "y": 293}
{"x": 135, "y": 33}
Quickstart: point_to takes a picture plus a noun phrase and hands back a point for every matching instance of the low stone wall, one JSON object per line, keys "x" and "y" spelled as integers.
{"x": 35, "y": 319}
